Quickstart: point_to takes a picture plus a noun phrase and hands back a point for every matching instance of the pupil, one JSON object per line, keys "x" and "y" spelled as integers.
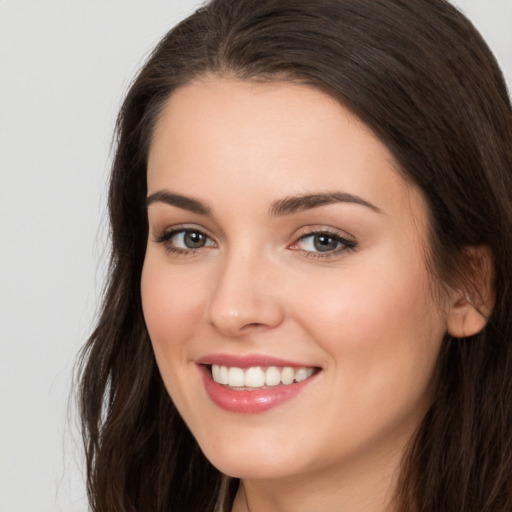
{"x": 324, "y": 243}
{"x": 194, "y": 239}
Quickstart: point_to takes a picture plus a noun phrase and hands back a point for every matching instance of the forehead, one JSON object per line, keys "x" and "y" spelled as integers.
{"x": 221, "y": 137}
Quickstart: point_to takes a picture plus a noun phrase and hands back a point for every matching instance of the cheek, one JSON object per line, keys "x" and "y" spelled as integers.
{"x": 379, "y": 324}
{"x": 383, "y": 343}
{"x": 366, "y": 300}
{"x": 172, "y": 303}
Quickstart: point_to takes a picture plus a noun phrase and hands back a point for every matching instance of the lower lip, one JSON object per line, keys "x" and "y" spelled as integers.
{"x": 250, "y": 402}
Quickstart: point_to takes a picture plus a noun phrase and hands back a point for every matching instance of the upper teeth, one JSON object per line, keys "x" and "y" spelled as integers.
{"x": 257, "y": 376}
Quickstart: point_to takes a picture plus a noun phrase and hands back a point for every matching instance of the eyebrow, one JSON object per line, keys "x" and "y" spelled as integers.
{"x": 184, "y": 202}
{"x": 281, "y": 207}
{"x": 295, "y": 204}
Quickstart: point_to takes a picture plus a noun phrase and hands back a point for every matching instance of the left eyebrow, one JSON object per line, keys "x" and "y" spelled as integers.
{"x": 299, "y": 203}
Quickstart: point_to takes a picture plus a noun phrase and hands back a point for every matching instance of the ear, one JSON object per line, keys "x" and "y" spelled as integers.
{"x": 471, "y": 305}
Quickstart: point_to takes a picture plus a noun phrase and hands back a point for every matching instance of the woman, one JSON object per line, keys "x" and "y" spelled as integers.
{"x": 308, "y": 303}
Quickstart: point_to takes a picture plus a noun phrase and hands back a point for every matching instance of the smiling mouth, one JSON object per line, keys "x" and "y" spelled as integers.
{"x": 258, "y": 377}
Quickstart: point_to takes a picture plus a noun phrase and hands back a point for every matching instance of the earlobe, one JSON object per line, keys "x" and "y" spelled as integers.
{"x": 472, "y": 305}
{"x": 465, "y": 319}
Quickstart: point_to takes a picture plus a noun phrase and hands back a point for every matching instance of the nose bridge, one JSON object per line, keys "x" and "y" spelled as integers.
{"x": 244, "y": 297}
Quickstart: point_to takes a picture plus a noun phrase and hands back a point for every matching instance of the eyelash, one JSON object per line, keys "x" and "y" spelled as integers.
{"x": 165, "y": 237}
{"x": 344, "y": 244}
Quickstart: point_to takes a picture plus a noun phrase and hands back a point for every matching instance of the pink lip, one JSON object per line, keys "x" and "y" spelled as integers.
{"x": 247, "y": 361}
{"x": 243, "y": 401}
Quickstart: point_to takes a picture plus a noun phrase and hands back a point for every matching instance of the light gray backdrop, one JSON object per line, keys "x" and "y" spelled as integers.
{"x": 64, "y": 67}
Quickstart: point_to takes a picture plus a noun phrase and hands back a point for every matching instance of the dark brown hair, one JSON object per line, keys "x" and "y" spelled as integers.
{"x": 421, "y": 77}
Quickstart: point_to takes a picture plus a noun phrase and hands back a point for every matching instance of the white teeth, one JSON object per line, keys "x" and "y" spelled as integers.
{"x": 301, "y": 374}
{"x": 254, "y": 377}
{"x": 258, "y": 377}
{"x": 287, "y": 375}
{"x": 223, "y": 375}
{"x": 236, "y": 377}
{"x": 272, "y": 376}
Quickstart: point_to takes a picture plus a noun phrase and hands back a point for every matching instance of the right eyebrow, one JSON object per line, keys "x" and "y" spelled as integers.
{"x": 184, "y": 202}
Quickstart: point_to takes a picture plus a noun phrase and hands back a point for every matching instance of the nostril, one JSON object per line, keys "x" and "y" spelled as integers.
{"x": 253, "y": 325}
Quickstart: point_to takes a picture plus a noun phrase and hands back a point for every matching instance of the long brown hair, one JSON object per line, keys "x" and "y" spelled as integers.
{"x": 421, "y": 77}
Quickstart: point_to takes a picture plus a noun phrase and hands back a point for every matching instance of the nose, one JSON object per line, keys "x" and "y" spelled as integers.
{"x": 245, "y": 298}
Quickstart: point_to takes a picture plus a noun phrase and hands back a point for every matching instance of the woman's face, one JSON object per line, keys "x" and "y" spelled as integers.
{"x": 284, "y": 246}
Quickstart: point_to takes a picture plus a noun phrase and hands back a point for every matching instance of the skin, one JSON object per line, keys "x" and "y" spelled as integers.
{"x": 366, "y": 316}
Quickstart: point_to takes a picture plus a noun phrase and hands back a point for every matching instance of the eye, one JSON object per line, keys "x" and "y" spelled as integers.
{"x": 188, "y": 239}
{"x": 323, "y": 243}
{"x": 184, "y": 240}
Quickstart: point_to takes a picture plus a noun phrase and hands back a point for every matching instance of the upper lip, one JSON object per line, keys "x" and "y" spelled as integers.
{"x": 248, "y": 361}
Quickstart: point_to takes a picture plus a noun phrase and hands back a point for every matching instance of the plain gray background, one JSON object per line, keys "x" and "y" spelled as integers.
{"x": 64, "y": 67}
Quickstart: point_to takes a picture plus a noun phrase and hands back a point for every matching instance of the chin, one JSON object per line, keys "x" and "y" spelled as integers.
{"x": 252, "y": 460}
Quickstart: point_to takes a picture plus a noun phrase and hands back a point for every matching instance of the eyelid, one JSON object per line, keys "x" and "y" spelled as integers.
{"x": 347, "y": 241}
{"x": 168, "y": 232}
{"x": 176, "y": 228}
